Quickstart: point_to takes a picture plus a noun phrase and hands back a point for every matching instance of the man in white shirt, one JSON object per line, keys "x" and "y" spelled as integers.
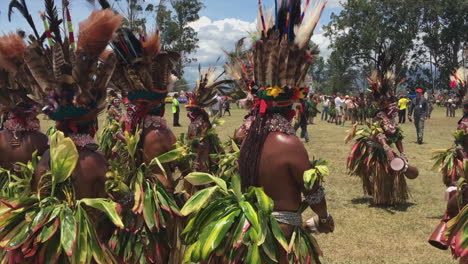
{"x": 339, "y": 102}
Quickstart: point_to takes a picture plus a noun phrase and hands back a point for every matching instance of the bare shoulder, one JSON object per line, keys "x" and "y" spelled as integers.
{"x": 159, "y": 136}
{"x": 285, "y": 143}
{"x": 284, "y": 140}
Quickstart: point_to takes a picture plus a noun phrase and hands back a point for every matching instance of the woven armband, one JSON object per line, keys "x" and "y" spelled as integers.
{"x": 316, "y": 197}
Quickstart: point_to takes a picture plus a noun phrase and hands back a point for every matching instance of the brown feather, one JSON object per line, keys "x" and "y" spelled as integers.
{"x": 302, "y": 65}
{"x": 283, "y": 62}
{"x": 12, "y": 48}
{"x": 58, "y": 61}
{"x": 39, "y": 68}
{"x": 152, "y": 45}
{"x": 259, "y": 67}
{"x": 97, "y": 31}
{"x": 292, "y": 65}
{"x": 272, "y": 62}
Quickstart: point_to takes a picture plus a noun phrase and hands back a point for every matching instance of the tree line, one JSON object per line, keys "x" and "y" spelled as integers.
{"x": 420, "y": 40}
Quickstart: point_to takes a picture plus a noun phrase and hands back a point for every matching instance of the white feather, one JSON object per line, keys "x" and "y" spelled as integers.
{"x": 172, "y": 80}
{"x": 304, "y": 31}
{"x": 269, "y": 18}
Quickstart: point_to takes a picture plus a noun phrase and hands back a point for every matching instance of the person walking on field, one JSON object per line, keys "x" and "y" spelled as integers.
{"x": 419, "y": 108}
{"x": 227, "y": 106}
{"x": 402, "y": 105}
{"x": 301, "y": 119}
{"x": 176, "y": 110}
{"x": 339, "y": 102}
{"x": 325, "y": 107}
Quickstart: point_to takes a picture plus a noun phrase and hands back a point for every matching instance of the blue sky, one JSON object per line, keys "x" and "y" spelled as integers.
{"x": 222, "y": 23}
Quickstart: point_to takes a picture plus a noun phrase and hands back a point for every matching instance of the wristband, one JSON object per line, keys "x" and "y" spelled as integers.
{"x": 325, "y": 220}
{"x": 386, "y": 148}
{"x": 316, "y": 197}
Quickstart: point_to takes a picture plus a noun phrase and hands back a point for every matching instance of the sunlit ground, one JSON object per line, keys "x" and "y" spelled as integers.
{"x": 364, "y": 233}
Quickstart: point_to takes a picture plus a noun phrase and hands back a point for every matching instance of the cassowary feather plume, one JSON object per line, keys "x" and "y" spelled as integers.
{"x": 281, "y": 52}
{"x": 208, "y": 87}
{"x": 76, "y": 78}
{"x": 142, "y": 66}
{"x": 239, "y": 66}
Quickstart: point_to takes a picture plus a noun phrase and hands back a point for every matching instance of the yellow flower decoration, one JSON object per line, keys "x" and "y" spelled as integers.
{"x": 274, "y": 91}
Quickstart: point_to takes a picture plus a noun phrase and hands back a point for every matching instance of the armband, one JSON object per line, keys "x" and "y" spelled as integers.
{"x": 316, "y": 197}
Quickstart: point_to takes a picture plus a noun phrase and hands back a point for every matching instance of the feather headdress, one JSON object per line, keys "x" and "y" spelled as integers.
{"x": 208, "y": 87}
{"x": 144, "y": 71}
{"x": 383, "y": 87}
{"x": 239, "y": 66}
{"x": 281, "y": 54}
{"x": 73, "y": 83}
{"x": 458, "y": 80}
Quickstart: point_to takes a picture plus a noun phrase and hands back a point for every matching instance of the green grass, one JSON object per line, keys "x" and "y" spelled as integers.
{"x": 364, "y": 233}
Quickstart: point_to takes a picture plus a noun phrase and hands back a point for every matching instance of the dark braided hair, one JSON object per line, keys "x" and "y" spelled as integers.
{"x": 251, "y": 150}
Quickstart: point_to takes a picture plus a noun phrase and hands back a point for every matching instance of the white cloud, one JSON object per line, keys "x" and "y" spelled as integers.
{"x": 217, "y": 35}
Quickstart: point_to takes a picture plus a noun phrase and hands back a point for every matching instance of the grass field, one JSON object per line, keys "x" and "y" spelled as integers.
{"x": 365, "y": 233}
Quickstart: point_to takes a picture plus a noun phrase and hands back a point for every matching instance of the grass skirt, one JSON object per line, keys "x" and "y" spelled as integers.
{"x": 368, "y": 161}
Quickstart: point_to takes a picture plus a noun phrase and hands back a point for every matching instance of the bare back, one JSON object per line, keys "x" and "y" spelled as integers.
{"x": 89, "y": 175}
{"x": 157, "y": 141}
{"x": 29, "y": 142}
{"x": 282, "y": 164}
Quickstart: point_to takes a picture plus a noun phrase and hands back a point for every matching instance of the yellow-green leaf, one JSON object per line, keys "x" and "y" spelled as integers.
{"x": 63, "y": 157}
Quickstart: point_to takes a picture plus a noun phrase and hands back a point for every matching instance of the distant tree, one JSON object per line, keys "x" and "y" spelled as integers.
{"x": 181, "y": 85}
{"x": 186, "y": 40}
{"x": 367, "y": 31}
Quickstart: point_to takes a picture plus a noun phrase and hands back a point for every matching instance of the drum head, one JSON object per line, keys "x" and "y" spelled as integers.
{"x": 397, "y": 164}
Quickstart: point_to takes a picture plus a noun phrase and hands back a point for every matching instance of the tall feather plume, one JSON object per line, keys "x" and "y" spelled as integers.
{"x": 53, "y": 18}
{"x": 58, "y": 61}
{"x": 272, "y": 61}
{"x": 40, "y": 68}
{"x": 12, "y": 49}
{"x": 22, "y": 7}
{"x": 305, "y": 30}
{"x": 97, "y": 31}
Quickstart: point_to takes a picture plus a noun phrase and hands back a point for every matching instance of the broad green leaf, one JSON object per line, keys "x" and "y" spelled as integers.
{"x": 94, "y": 244}
{"x": 82, "y": 247}
{"x": 107, "y": 206}
{"x": 148, "y": 208}
{"x": 251, "y": 215}
{"x": 41, "y": 218}
{"x": 48, "y": 231}
{"x": 68, "y": 230}
{"x": 63, "y": 157}
{"x": 236, "y": 185}
{"x": 200, "y": 178}
{"x": 253, "y": 255}
{"x": 198, "y": 200}
{"x": 234, "y": 146}
{"x": 270, "y": 247}
{"x": 16, "y": 237}
{"x": 217, "y": 234}
{"x": 171, "y": 156}
{"x": 264, "y": 201}
{"x": 278, "y": 233}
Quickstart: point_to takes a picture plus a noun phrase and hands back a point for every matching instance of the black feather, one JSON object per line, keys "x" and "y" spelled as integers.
{"x": 53, "y": 18}
{"x": 104, "y": 4}
{"x": 23, "y": 9}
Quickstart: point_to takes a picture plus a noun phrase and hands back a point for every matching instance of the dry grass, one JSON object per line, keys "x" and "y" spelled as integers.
{"x": 364, "y": 233}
